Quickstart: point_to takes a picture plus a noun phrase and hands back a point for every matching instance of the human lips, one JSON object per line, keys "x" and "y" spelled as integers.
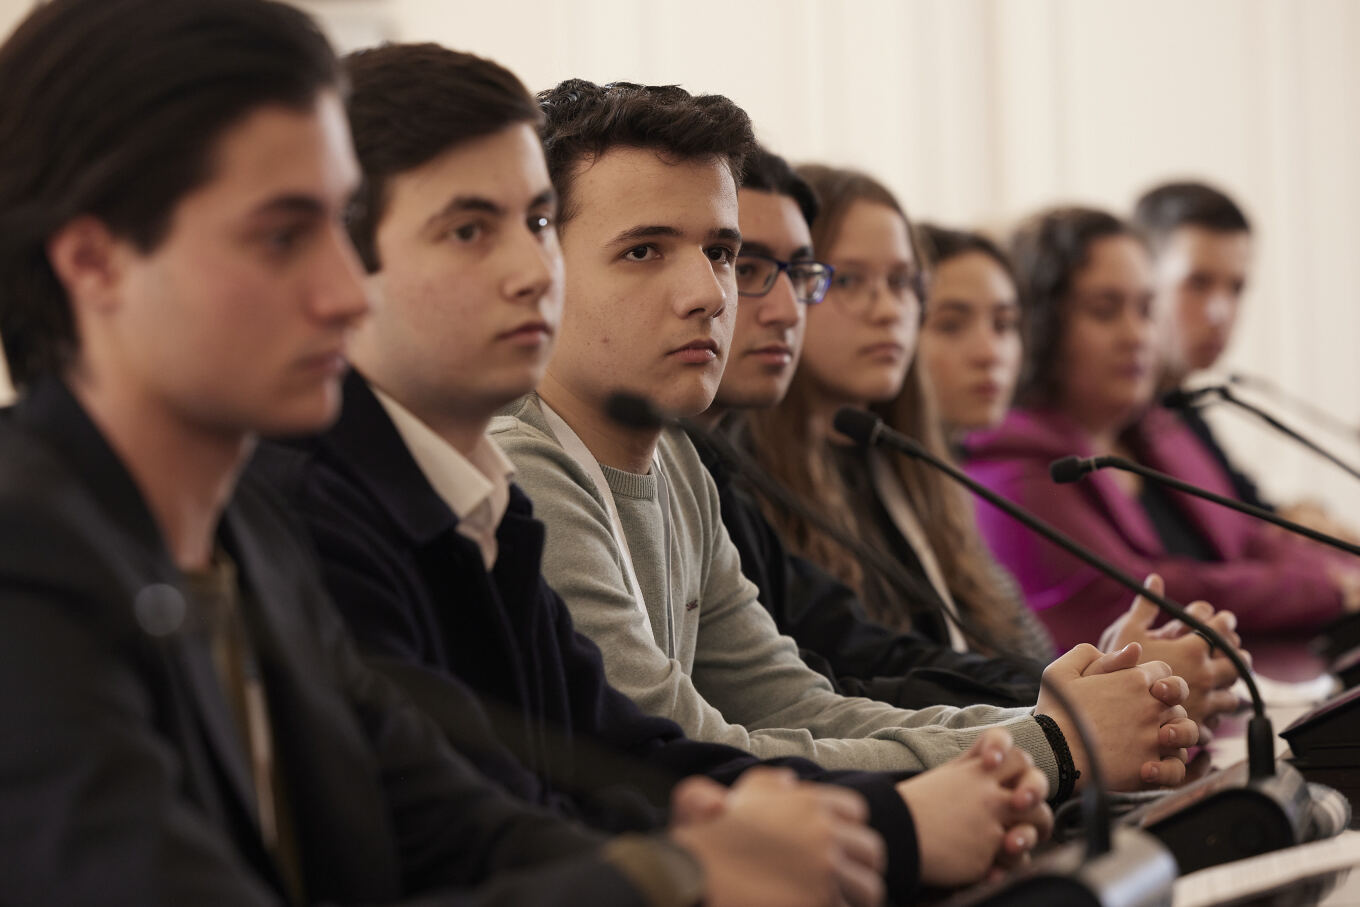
{"x": 327, "y": 363}
{"x": 986, "y": 390}
{"x": 772, "y": 353}
{"x": 1132, "y": 370}
{"x": 888, "y": 349}
{"x": 697, "y": 351}
{"x": 529, "y": 333}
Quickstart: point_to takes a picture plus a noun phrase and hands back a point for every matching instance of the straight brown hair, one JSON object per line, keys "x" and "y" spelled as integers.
{"x": 788, "y": 445}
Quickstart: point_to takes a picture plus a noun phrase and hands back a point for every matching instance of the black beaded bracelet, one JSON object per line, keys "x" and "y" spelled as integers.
{"x": 1067, "y": 767}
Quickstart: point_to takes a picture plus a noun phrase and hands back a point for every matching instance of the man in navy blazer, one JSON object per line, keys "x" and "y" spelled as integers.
{"x": 186, "y": 719}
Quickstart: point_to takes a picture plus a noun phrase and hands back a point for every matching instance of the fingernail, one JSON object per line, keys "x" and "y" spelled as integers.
{"x": 1162, "y": 688}
{"x": 1171, "y": 736}
{"x": 1150, "y": 773}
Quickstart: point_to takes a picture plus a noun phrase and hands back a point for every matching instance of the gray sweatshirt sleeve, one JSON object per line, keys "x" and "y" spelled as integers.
{"x": 757, "y": 694}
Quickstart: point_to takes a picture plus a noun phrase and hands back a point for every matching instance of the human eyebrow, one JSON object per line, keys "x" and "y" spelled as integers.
{"x": 291, "y": 204}
{"x": 752, "y": 247}
{"x": 461, "y": 203}
{"x": 545, "y": 198}
{"x": 802, "y": 253}
{"x": 648, "y": 231}
{"x": 950, "y": 307}
{"x": 728, "y": 233}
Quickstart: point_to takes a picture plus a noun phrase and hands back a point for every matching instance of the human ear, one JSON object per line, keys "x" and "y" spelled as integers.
{"x": 87, "y": 259}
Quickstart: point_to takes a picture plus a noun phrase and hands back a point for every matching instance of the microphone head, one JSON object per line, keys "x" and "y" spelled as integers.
{"x": 1177, "y": 399}
{"x": 1180, "y": 398}
{"x": 859, "y": 425}
{"x": 634, "y": 411}
{"x": 1068, "y": 469}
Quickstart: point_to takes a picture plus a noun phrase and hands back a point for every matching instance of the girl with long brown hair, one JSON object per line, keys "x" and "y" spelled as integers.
{"x": 860, "y": 351}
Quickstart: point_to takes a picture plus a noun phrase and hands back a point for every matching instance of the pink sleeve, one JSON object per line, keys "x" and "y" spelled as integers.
{"x": 1076, "y": 603}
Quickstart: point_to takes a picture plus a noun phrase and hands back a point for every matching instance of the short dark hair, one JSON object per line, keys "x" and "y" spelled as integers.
{"x": 112, "y": 108}
{"x": 943, "y": 243}
{"x": 584, "y": 120}
{"x": 766, "y": 171}
{"x": 410, "y": 103}
{"x": 1046, "y": 251}
{"x": 1164, "y": 208}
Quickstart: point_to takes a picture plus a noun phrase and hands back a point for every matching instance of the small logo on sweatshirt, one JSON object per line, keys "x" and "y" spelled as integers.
{"x": 691, "y": 606}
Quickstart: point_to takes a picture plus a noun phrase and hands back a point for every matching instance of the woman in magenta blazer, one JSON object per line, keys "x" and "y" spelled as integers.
{"x": 1086, "y": 388}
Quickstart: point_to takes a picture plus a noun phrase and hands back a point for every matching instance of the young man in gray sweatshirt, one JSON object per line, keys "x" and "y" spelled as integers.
{"x": 636, "y": 545}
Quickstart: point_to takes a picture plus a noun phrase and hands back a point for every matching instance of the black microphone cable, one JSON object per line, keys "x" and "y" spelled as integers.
{"x": 869, "y": 429}
{"x": 1303, "y": 407}
{"x": 1072, "y": 469}
{"x": 1182, "y": 399}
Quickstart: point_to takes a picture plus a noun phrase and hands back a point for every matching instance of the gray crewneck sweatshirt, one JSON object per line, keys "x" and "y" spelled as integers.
{"x": 706, "y": 654}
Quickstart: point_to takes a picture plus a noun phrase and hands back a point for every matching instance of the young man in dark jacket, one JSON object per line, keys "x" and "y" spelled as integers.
{"x": 186, "y": 719}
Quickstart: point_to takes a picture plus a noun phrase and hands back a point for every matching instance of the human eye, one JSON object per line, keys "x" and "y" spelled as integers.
{"x": 902, "y": 282}
{"x": 1199, "y": 283}
{"x": 283, "y": 240}
{"x": 540, "y": 223}
{"x": 721, "y": 254}
{"x": 947, "y": 325}
{"x": 1006, "y": 321}
{"x": 746, "y": 267}
{"x": 848, "y": 281}
{"x": 468, "y": 231}
{"x": 644, "y": 252}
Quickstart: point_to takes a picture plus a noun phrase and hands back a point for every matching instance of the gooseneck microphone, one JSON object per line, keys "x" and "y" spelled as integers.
{"x": 868, "y": 429}
{"x": 1186, "y": 399}
{"x": 1072, "y": 469}
{"x": 1112, "y": 866}
{"x": 1225, "y": 816}
{"x": 1303, "y": 407}
{"x": 1325, "y": 738}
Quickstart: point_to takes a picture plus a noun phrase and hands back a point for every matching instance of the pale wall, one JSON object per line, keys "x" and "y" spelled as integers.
{"x": 977, "y": 111}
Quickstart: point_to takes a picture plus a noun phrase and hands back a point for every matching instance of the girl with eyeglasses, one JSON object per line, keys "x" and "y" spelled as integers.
{"x": 859, "y": 350}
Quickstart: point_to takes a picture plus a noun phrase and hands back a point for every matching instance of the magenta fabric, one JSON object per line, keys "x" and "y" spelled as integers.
{"x": 1270, "y": 580}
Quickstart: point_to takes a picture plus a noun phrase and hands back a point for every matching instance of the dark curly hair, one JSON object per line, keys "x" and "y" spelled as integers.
{"x": 112, "y": 108}
{"x": 584, "y": 120}
{"x": 1046, "y": 251}
{"x": 1169, "y": 206}
{"x": 410, "y": 103}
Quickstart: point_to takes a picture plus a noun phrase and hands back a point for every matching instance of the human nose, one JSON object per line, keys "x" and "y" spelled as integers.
{"x": 339, "y": 293}
{"x": 1219, "y": 309}
{"x": 533, "y": 262}
{"x": 780, "y": 306}
{"x": 887, "y": 306}
{"x": 984, "y": 345}
{"x": 705, "y": 289}
{"x": 1136, "y": 327}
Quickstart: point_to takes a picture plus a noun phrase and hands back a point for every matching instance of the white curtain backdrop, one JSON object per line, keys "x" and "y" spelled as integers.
{"x": 979, "y": 111}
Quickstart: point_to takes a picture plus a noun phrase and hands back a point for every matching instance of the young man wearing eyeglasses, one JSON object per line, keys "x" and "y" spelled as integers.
{"x": 836, "y": 637}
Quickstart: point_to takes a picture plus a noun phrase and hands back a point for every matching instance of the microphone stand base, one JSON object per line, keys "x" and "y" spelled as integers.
{"x": 1228, "y": 816}
{"x": 1138, "y": 871}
